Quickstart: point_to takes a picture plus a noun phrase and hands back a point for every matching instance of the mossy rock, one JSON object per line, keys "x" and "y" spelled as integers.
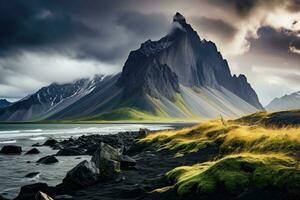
{"x": 236, "y": 174}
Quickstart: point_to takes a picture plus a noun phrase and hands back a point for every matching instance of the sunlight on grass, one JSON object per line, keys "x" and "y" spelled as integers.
{"x": 236, "y": 173}
{"x": 231, "y": 138}
{"x": 251, "y": 155}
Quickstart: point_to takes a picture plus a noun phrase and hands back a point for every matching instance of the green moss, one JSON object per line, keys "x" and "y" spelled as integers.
{"x": 190, "y": 140}
{"x": 236, "y": 173}
{"x": 250, "y": 156}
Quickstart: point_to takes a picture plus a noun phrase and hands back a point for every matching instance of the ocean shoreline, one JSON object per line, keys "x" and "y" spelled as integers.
{"x": 63, "y": 143}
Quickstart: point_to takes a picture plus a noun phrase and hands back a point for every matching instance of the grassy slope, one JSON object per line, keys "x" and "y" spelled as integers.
{"x": 124, "y": 114}
{"x": 127, "y": 112}
{"x": 250, "y": 156}
{"x": 276, "y": 119}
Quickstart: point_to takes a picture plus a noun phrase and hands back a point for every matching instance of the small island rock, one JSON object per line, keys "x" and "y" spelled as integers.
{"x": 47, "y": 160}
{"x": 33, "y": 151}
{"x": 11, "y": 149}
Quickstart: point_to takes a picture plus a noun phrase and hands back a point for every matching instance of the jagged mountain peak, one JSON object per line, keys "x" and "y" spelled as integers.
{"x": 179, "y": 18}
{"x": 195, "y": 62}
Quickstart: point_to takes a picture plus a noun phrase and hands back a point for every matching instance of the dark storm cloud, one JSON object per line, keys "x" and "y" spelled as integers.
{"x": 102, "y": 30}
{"x": 244, "y": 8}
{"x": 150, "y": 25}
{"x": 276, "y": 42}
{"x": 32, "y": 25}
{"x": 217, "y": 27}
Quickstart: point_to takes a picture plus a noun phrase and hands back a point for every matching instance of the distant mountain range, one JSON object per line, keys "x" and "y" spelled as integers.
{"x": 286, "y": 102}
{"x": 177, "y": 77}
{"x": 4, "y": 103}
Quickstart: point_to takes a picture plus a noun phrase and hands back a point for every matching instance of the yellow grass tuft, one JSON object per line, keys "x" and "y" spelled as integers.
{"x": 253, "y": 153}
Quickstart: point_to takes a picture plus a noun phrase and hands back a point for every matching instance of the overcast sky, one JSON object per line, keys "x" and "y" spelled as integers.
{"x": 44, "y": 41}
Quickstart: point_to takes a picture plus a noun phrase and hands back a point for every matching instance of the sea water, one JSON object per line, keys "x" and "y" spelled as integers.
{"x": 13, "y": 168}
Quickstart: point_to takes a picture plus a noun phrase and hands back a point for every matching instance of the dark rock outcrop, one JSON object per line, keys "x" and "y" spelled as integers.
{"x": 33, "y": 151}
{"x": 83, "y": 175}
{"x": 11, "y": 149}
{"x": 47, "y": 160}
{"x": 70, "y": 152}
{"x": 126, "y": 162}
{"x": 50, "y": 142}
{"x": 151, "y": 77}
{"x": 143, "y": 132}
{"x": 32, "y": 174}
{"x": 36, "y": 145}
{"x": 107, "y": 160}
{"x": 28, "y": 192}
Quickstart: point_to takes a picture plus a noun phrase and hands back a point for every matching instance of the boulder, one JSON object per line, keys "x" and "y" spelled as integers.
{"x": 91, "y": 149}
{"x": 143, "y": 132}
{"x": 83, "y": 175}
{"x": 107, "y": 160}
{"x": 134, "y": 149}
{"x": 28, "y": 192}
{"x": 42, "y": 196}
{"x": 50, "y": 142}
{"x": 11, "y": 149}
{"x": 47, "y": 160}
{"x": 33, "y": 151}
{"x": 70, "y": 152}
{"x": 126, "y": 162}
{"x": 36, "y": 145}
{"x": 32, "y": 174}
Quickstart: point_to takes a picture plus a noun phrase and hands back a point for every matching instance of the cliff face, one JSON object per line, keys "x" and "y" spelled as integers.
{"x": 195, "y": 62}
{"x": 151, "y": 77}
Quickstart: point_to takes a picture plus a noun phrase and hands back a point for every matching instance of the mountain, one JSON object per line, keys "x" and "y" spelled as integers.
{"x": 286, "y": 102}
{"x": 4, "y": 103}
{"x": 181, "y": 53}
{"x": 49, "y": 100}
{"x": 177, "y": 77}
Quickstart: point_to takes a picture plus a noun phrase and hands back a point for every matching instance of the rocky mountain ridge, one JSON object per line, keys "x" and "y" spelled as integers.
{"x": 50, "y": 98}
{"x": 4, "y": 103}
{"x": 286, "y": 102}
{"x": 195, "y": 62}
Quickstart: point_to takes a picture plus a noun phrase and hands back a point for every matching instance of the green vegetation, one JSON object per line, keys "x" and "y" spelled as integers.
{"x": 251, "y": 155}
{"x": 277, "y": 119}
{"x": 237, "y": 173}
{"x": 124, "y": 113}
